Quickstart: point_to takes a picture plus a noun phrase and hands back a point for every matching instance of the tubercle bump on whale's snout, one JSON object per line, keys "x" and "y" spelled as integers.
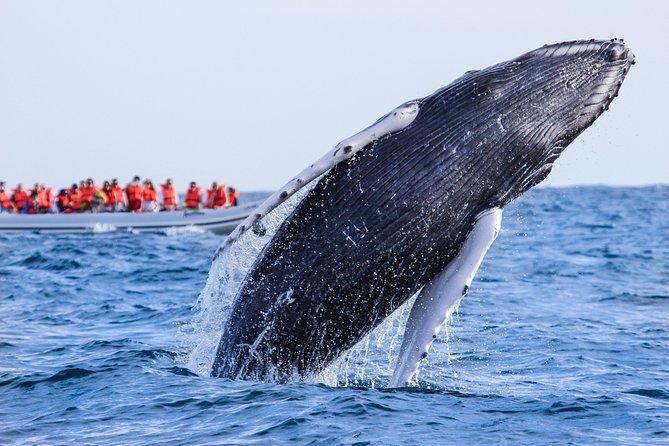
{"x": 618, "y": 50}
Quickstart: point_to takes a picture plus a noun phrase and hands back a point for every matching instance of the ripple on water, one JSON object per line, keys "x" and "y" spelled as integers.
{"x": 562, "y": 338}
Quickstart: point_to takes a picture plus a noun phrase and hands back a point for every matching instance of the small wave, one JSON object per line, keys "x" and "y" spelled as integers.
{"x": 179, "y": 230}
{"x": 650, "y": 393}
{"x": 558, "y": 407}
{"x": 38, "y": 261}
{"x": 100, "y": 228}
{"x": 631, "y": 297}
{"x": 62, "y": 375}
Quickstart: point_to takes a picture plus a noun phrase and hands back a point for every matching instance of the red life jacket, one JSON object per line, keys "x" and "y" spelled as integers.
{"x": 233, "y": 198}
{"x": 20, "y": 199}
{"x": 86, "y": 194}
{"x": 49, "y": 197}
{"x": 150, "y": 194}
{"x": 111, "y": 196}
{"x": 63, "y": 202}
{"x": 75, "y": 198}
{"x": 43, "y": 200}
{"x": 210, "y": 201}
{"x": 119, "y": 193}
{"x": 220, "y": 198}
{"x": 31, "y": 205}
{"x": 134, "y": 192}
{"x": 169, "y": 195}
{"x": 5, "y": 200}
{"x": 216, "y": 198}
{"x": 193, "y": 198}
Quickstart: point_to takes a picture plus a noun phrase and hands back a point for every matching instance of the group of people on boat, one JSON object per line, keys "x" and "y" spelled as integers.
{"x": 136, "y": 196}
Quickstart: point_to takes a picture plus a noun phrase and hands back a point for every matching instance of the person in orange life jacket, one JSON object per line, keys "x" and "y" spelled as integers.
{"x": 43, "y": 199}
{"x": 63, "y": 202}
{"x": 99, "y": 201}
{"x": 110, "y": 195}
{"x": 209, "y": 202}
{"x": 33, "y": 205}
{"x": 193, "y": 196}
{"x": 48, "y": 198}
{"x": 86, "y": 193}
{"x": 134, "y": 192}
{"x": 170, "y": 199}
{"x": 149, "y": 197}
{"x": 216, "y": 197}
{"x": 20, "y": 199}
{"x": 6, "y": 204}
{"x": 119, "y": 194}
{"x": 231, "y": 195}
{"x": 34, "y": 197}
{"x": 75, "y": 198}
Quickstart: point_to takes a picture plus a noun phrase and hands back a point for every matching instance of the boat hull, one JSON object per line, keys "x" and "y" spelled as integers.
{"x": 218, "y": 221}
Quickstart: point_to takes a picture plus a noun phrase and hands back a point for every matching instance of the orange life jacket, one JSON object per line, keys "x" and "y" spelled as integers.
{"x": 216, "y": 198}
{"x": 111, "y": 196}
{"x": 43, "y": 199}
{"x": 86, "y": 194}
{"x": 63, "y": 202}
{"x": 31, "y": 205}
{"x": 20, "y": 199}
{"x": 210, "y": 201}
{"x": 119, "y": 193}
{"x": 75, "y": 198}
{"x": 233, "y": 198}
{"x": 193, "y": 197}
{"x": 5, "y": 200}
{"x": 169, "y": 195}
{"x": 49, "y": 197}
{"x": 219, "y": 197}
{"x": 150, "y": 194}
{"x": 134, "y": 192}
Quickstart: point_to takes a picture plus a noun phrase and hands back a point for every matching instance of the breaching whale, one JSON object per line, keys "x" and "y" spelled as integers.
{"x": 408, "y": 206}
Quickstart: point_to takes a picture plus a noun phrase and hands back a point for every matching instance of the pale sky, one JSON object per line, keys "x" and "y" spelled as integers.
{"x": 249, "y": 93}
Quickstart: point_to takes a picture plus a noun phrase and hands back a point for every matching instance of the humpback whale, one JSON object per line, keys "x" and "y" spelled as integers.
{"x": 409, "y": 206}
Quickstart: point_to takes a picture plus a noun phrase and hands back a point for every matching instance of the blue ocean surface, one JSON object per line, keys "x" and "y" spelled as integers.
{"x": 562, "y": 339}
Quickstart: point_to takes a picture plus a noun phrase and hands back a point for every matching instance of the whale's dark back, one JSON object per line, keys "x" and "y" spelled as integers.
{"x": 378, "y": 227}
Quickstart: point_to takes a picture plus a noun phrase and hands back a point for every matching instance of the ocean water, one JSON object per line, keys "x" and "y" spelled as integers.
{"x": 563, "y": 338}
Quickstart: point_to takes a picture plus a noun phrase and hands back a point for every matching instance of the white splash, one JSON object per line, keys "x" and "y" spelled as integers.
{"x": 178, "y": 230}
{"x": 99, "y": 228}
{"x": 200, "y": 337}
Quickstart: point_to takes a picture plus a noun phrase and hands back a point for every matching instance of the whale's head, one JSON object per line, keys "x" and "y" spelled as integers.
{"x": 530, "y": 108}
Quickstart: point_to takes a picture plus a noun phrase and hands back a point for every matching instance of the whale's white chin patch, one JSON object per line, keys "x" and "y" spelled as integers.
{"x": 437, "y": 300}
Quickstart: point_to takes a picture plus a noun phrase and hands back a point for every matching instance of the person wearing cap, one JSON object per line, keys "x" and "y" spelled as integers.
{"x": 193, "y": 196}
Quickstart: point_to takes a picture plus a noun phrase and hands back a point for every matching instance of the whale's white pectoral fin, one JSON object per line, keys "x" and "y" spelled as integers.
{"x": 436, "y": 301}
{"x": 393, "y": 122}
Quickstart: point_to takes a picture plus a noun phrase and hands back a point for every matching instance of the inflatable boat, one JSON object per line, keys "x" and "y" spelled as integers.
{"x": 219, "y": 221}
